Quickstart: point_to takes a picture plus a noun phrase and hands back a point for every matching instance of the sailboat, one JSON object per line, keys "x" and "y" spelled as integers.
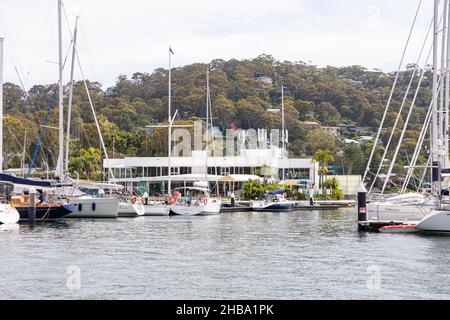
{"x": 414, "y": 206}
{"x": 198, "y": 200}
{"x": 8, "y": 214}
{"x": 89, "y": 200}
{"x": 18, "y": 208}
{"x": 432, "y": 213}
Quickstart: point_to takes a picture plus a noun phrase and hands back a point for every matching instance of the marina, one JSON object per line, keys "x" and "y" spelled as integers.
{"x": 257, "y": 179}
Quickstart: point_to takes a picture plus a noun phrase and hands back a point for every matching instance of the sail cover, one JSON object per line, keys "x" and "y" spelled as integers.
{"x": 26, "y": 182}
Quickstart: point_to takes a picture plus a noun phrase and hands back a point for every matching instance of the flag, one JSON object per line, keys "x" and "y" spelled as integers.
{"x": 170, "y": 50}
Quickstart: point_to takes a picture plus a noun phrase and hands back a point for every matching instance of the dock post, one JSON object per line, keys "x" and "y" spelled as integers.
{"x": 32, "y": 206}
{"x": 362, "y": 205}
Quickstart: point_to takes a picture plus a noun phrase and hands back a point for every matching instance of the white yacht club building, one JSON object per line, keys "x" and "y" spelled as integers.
{"x": 224, "y": 173}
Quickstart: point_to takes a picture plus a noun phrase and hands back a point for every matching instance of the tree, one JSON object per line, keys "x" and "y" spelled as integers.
{"x": 323, "y": 157}
{"x": 318, "y": 139}
{"x": 327, "y": 113}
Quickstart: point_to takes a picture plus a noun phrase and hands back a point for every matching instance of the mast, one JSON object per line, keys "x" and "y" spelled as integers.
{"x": 59, "y": 166}
{"x": 394, "y": 85}
{"x": 443, "y": 76}
{"x": 283, "y": 128}
{"x": 447, "y": 92}
{"x": 69, "y": 112}
{"x": 1, "y": 104}
{"x": 169, "y": 143}
{"x": 434, "y": 114}
{"x": 207, "y": 125}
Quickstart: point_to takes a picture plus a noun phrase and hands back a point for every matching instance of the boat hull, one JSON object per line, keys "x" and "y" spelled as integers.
{"x": 156, "y": 210}
{"x": 212, "y": 208}
{"x": 106, "y": 208}
{"x": 44, "y": 213}
{"x": 273, "y": 207}
{"x": 397, "y": 212}
{"x": 129, "y": 210}
{"x": 436, "y": 221}
{"x": 8, "y": 214}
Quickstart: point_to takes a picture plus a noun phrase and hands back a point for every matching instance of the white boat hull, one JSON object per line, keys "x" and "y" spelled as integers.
{"x": 436, "y": 221}
{"x": 156, "y": 210}
{"x": 131, "y": 210}
{"x": 397, "y": 212}
{"x": 211, "y": 208}
{"x": 8, "y": 214}
{"x": 95, "y": 208}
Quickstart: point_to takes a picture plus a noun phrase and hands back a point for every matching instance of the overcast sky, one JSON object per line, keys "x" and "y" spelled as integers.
{"x": 123, "y": 37}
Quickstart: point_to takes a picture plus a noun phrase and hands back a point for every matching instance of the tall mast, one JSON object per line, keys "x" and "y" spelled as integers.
{"x": 207, "y": 125}
{"x": 169, "y": 143}
{"x": 59, "y": 167}
{"x": 447, "y": 92}
{"x": 434, "y": 115}
{"x": 442, "y": 82}
{"x": 283, "y": 134}
{"x": 1, "y": 104}
{"x": 69, "y": 112}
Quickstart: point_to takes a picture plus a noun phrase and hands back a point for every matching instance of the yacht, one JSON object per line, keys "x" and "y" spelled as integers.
{"x": 197, "y": 201}
{"x": 410, "y": 207}
{"x": 275, "y": 201}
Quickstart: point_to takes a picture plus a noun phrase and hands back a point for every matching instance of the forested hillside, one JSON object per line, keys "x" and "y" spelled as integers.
{"x": 241, "y": 93}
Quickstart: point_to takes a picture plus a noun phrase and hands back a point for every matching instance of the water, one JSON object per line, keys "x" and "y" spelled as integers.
{"x": 300, "y": 255}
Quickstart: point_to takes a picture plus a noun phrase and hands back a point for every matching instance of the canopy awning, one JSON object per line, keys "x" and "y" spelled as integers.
{"x": 240, "y": 178}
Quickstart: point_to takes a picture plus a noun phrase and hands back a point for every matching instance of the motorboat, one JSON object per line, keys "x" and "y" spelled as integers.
{"x": 275, "y": 201}
{"x": 197, "y": 201}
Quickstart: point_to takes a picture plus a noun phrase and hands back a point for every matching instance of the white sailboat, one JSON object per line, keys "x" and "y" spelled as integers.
{"x": 202, "y": 203}
{"x": 413, "y": 207}
{"x": 88, "y": 205}
{"x": 439, "y": 219}
{"x": 8, "y": 214}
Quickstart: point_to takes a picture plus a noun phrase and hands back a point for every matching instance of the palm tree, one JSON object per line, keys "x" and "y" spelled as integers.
{"x": 322, "y": 157}
{"x": 91, "y": 160}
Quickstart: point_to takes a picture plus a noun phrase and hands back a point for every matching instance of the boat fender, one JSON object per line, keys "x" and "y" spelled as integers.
{"x": 94, "y": 206}
{"x": 80, "y": 207}
{"x": 205, "y": 201}
{"x": 172, "y": 200}
{"x": 133, "y": 199}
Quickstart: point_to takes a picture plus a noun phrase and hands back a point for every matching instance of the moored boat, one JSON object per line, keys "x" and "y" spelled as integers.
{"x": 275, "y": 201}
{"x": 197, "y": 201}
{"x": 44, "y": 210}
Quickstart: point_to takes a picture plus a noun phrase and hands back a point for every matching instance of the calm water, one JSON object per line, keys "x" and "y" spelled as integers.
{"x": 302, "y": 255}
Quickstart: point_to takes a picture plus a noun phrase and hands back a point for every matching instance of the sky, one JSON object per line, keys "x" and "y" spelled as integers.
{"x": 118, "y": 37}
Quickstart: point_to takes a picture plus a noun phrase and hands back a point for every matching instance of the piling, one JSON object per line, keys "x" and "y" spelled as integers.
{"x": 32, "y": 206}
{"x": 362, "y": 205}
